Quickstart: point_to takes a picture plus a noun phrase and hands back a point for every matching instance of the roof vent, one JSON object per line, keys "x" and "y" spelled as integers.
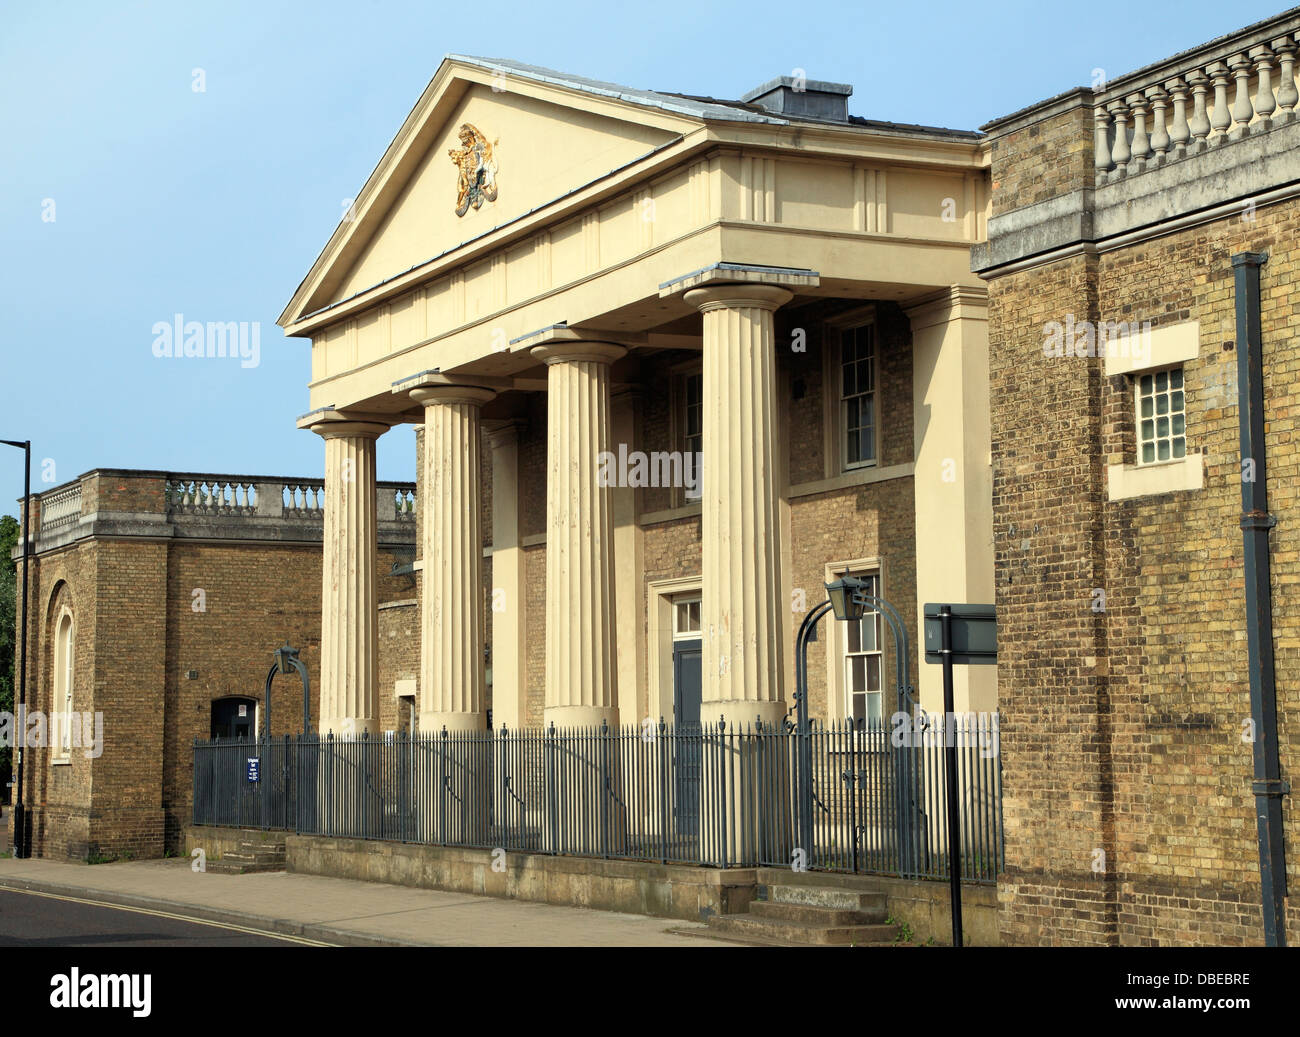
{"x": 803, "y": 98}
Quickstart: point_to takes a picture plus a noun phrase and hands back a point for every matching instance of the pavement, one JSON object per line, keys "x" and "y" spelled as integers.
{"x": 346, "y": 911}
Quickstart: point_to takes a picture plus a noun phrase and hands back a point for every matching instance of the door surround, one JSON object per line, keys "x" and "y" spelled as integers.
{"x": 659, "y": 615}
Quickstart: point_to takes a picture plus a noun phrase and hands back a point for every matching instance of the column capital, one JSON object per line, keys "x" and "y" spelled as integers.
{"x": 563, "y": 351}
{"x": 738, "y": 296}
{"x": 433, "y": 395}
{"x": 737, "y": 274}
{"x": 352, "y": 429}
{"x": 344, "y": 422}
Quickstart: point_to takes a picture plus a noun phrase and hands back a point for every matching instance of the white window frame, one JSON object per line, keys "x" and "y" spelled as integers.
{"x": 681, "y": 418}
{"x": 837, "y": 646}
{"x": 63, "y": 687}
{"x": 687, "y": 635}
{"x": 1170, "y": 414}
{"x": 833, "y": 399}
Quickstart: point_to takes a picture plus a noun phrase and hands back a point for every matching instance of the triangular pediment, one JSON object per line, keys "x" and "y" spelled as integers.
{"x": 548, "y": 137}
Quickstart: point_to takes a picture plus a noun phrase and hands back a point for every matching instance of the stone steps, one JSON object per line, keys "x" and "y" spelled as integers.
{"x": 249, "y": 858}
{"x": 806, "y": 910}
{"x": 830, "y": 898}
{"x": 812, "y": 934}
{"x": 782, "y": 912}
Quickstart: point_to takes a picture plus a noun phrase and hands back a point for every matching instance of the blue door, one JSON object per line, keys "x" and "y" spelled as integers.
{"x": 688, "y": 686}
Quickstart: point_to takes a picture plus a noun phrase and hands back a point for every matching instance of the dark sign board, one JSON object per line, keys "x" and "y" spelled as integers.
{"x": 974, "y": 634}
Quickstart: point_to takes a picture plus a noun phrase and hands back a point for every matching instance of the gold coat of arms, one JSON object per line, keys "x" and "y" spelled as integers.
{"x": 476, "y": 169}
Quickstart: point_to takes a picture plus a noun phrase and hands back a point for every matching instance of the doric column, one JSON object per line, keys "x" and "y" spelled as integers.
{"x": 451, "y": 603}
{"x": 629, "y": 583}
{"x": 507, "y": 597}
{"x": 581, "y": 683}
{"x": 349, "y": 563}
{"x": 742, "y": 642}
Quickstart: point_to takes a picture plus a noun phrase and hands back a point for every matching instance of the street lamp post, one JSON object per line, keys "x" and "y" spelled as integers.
{"x": 21, "y": 849}
{"x": 287, "y": 661}
{"x": 851, "y": 602}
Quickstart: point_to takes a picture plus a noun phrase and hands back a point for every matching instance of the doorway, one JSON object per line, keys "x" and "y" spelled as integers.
{"x": 234, "y": 717}
{"x": 688, "y": 686}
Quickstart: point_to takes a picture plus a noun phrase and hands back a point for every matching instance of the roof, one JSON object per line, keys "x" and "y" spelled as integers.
{"x": 677, "y": 103}
{"x": 697, "y": 106}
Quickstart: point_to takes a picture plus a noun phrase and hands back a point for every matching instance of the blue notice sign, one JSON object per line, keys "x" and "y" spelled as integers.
{"x": 254, "y": 768}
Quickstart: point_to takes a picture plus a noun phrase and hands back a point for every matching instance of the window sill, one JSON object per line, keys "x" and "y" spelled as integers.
{"x": 61, "y": 761}
{"x": 1127, "y": 481}
{"x": 861, "y": 476}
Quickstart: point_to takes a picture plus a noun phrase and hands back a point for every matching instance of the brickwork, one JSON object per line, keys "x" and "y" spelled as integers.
{"x": 1122, "y": 724}
{"x": 1045, "y": 159}
{"x": 399, "y": 659}
{"x": 164, "y": 627}
{"x": 534, "y": 564}
{"x": 61, "y": 826}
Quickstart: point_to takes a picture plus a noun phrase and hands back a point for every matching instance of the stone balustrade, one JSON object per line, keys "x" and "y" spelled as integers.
{"x": 195, "y": 495}
{"x": 1234, "y": 87}
{"x": 61, "y": 507}
{"x": 233, "y": 496}
{"x": 127, "y": 503}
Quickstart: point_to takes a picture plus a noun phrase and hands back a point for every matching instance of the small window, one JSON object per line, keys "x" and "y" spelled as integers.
{"x": 858, "y": 395}
{"x": 863, "y": 660}
{"x": 692, "y": 429}
{"x": 1161, "y": 417}
{"x": 63, "y": 681}
{"x": 686, "y": 619}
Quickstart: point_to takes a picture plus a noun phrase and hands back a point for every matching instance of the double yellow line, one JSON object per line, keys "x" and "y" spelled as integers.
{"x": 167, "y": 914}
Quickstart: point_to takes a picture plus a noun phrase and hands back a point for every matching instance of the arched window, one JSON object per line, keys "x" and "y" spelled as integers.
{"x": 61, "y": 704}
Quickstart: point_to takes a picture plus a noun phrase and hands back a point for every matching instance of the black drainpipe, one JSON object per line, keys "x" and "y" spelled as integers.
{"x": 1256, "y": 521}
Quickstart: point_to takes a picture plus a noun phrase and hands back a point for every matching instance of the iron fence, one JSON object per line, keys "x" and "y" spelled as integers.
{"x": 839, "y": 797}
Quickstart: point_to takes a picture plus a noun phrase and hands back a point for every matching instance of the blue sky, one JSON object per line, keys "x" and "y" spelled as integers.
{"x": 214, "y": 204}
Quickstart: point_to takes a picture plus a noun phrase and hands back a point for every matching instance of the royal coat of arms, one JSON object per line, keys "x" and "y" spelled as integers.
{"x": 476, "y": 169}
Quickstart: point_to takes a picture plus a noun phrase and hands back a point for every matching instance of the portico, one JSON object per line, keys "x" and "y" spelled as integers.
{"x": 760, "y": 282}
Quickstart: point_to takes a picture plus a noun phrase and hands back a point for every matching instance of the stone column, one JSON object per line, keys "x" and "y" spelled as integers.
{"x": 629, "y": 576}
{"x": 580, "y": 656}
{"x": 743, "y": 644}
{"x": 349, "y": 669}
{"x": 451, "y": 612}
{"x": 506, "y": 599}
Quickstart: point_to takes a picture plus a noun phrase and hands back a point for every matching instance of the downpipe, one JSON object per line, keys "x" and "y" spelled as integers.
{"x": 1268, "y": 786}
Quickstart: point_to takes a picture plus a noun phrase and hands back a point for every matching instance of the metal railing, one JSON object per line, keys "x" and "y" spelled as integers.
{"x": 719, "y": 796}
